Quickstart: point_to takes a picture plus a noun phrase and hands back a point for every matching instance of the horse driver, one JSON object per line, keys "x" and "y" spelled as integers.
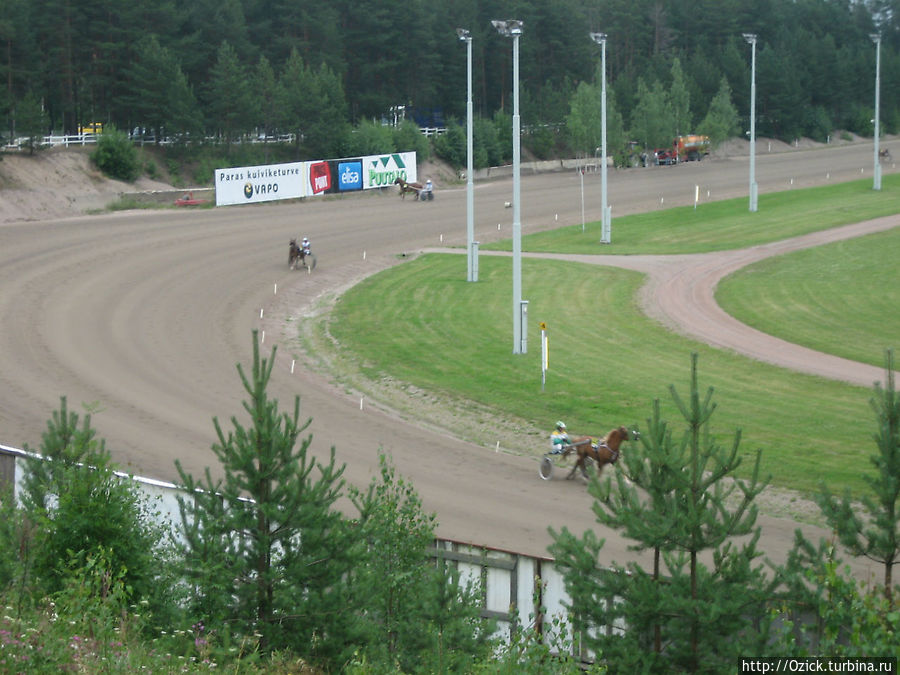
{"x": 558, "y": 439}
{"x": 305, "y": 246}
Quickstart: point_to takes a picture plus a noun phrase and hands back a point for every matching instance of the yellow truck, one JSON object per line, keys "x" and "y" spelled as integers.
{"x": 91, "y": 128}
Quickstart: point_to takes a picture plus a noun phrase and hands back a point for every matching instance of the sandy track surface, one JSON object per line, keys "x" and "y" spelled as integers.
{"x": 143, "y": 316}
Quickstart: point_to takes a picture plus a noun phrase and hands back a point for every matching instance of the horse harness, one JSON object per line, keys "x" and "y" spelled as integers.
{"x": 614, "y": 454}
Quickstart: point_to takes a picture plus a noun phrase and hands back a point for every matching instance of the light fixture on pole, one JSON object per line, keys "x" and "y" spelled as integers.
{"x": 513, "y": 28}
{"x": 876, "y": 38}
{"x": 472, "y": 266}
{"x": 751, "y": 38}
{"x": 606, "y": 224}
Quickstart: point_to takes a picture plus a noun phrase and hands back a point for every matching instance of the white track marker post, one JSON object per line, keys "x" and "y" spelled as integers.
{"x": 360, "y": 402}
{"x": 262, "y": 337}
{"x": 497, "y": 449}
{"x": 442, "y": 237}
{"x": 293, "y": 361}
{"x": 260, "y": 312}
{"x": 545, "y": 354}
{"x": 364, "y": 255}
{"x": 276, "y": 289}
{"x": 696, "y": 196}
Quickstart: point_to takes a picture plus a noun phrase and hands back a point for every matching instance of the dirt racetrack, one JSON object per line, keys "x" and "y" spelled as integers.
{"x": 142, "y": 316}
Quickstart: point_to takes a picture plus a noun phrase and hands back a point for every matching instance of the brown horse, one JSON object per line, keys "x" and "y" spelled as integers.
{"x": 407, "y": 187}
{"x": 295, "y": 255}
{"x": 605, "y": 451}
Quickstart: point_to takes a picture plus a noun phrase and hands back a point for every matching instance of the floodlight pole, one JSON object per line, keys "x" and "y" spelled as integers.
{"x": 513, "y": 28}
{"x": 876, "y": 38}
{"x": 606, "y": 226}
{"x": 472, "y": 266}
{"x": 754, "y": 191}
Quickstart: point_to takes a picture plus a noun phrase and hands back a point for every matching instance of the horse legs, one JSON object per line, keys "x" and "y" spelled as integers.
{"x": 578, "y": 462}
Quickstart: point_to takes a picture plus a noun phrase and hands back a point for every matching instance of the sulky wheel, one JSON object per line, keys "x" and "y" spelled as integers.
{"x": 546, "y": 469}
{"x": 309, "y": 261}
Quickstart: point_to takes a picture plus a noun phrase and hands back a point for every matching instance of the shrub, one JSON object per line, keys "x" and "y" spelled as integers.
{"x": 116, "y": 156}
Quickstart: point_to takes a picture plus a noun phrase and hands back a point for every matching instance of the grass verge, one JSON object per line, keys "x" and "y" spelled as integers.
{"x": 725, "y": 225}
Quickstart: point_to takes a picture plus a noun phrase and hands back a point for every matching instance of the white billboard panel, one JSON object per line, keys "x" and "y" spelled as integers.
{"x": 382, "y": 170}
{"x": 253, "y": 184}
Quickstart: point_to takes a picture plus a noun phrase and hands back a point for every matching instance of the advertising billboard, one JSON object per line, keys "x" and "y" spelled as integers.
{"x": 382, "y": 170}
{"x": 248, "y": 185}
{"x": 335, "y": 175}
{"x": 253, "y": 184}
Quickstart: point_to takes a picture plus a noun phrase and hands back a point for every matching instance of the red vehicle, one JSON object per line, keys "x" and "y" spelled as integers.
{"x": 665, "y": 156}
{"x": 188, "y": 200}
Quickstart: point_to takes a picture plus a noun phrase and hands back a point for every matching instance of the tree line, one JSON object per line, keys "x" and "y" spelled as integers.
{"x": 227, "y": 68}
{"x": 266, "y": 574}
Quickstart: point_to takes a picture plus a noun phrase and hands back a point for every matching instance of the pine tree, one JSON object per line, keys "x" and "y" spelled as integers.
{"x": 874, "y": 533}
{"x": 680, "y": 100}
{"x": 31, "y": 121}
{"x": 264, "y": 545}
{"x": 678, "y": 500}
{"x": 721, "y": 121}
{"x": 76, "y": 507}
{"x": 413, "y": 612}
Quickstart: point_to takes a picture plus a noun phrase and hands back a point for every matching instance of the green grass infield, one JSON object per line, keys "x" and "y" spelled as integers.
{"x": 423, "y": 324}
{"x": 842, "y": 298}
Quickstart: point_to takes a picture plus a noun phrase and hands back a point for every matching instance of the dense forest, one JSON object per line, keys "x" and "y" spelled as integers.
{"x": 227, "y": 68}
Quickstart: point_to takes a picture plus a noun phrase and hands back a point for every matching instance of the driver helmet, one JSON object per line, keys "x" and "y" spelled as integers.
{"x": 305, "y": 240}
{"x": 428, "y": 182}
{"x": 561, "y": 426}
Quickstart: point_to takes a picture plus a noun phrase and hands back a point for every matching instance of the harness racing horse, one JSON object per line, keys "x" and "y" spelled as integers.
{"x": 407, "y": 187}
{"x": 606, "y": 451}
{"x": 294, "y": 255}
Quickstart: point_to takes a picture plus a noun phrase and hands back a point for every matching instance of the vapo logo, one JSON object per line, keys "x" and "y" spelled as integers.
{"x": 248, "y": 190}
{"x": 350, "y": 175}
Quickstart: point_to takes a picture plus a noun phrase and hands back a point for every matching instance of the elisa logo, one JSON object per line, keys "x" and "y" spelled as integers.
{"x": 350, "y": 175}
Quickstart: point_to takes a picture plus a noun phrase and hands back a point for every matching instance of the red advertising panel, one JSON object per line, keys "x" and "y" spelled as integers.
{"x": 319, "y": 177}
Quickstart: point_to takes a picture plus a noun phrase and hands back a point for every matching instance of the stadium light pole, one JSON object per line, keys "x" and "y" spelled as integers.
{"x": 513, "y": 28}
{"x": 751, "y": 38}
{"x": 876, "y": 38}
{"x": 472, "y": 268}
{"x": 606, "y": 224}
